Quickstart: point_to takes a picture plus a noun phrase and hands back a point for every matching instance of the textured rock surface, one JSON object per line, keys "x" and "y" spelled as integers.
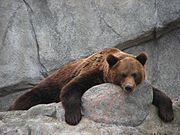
{"x": 49, "y": 119}
{"x": 6, "y": 101}
{"x": 19, "y": 65}
{"x": 37, "y": 36}
{"x": 163, "y": 63}
{"x": 110, "y": 104}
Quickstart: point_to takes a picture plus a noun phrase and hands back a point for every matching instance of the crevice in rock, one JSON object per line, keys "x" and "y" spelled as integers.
{"x": 167, "y": 28}
{"x": 110, "y": 27}
{"x": 154, "y": 33}
{"x": 156, "y": 19}
{"x": 102, "y": 19}
{"x": 13, "y": 89}
{"x": 21, "y": 86}
{"x": 29, "y": 130}
{"x": 147, "y": 36}
{"x": 155, "y": 43}
{"x": 44, "y": 71}
{"x": 28, "y": 6}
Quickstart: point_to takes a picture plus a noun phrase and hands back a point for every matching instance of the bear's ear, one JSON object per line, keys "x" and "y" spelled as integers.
{"x": 142, "y": 58}
{"x": 112, "y": 60}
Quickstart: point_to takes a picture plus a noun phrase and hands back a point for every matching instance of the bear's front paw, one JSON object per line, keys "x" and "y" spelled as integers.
{"x": 73, "y": 116}
{"x": 166, "y": 114}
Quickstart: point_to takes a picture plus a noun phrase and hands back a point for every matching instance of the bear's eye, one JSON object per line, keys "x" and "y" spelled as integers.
{"x": 134, "y": 75}
{"x": 123, "y": 75}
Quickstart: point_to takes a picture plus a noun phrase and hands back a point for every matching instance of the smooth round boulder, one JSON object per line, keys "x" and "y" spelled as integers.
{"x": 108, "y": 103}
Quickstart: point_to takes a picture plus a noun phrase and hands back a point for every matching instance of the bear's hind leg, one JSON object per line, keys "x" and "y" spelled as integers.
{"x": 36, "y": 96}
{"x": 164, "y": 105}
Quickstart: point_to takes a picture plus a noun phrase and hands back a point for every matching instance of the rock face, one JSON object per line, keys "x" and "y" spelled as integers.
{"x": 38, "y": 36}
{"x": 110, "y": 104}
{"x": 49, "y": 119}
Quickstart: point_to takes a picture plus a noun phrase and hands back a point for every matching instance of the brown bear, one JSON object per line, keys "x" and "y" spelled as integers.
{"x": 69, "y": 83}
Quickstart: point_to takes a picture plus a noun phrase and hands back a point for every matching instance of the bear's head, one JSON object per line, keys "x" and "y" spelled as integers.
{"x": 127, "y": 72}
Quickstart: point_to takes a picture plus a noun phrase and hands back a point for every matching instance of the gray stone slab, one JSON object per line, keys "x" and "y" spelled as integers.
{"x": 109, "y": 104}
{"x": 167, "y": 10}
{"x": 19, "y": 65}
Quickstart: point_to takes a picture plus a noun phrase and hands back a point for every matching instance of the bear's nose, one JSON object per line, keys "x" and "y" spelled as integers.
{"x": 128, "y": 88}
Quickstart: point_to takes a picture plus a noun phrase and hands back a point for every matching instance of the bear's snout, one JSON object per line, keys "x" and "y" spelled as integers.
{"x": 129, "y": 84}
{"x": 129, "y": 88}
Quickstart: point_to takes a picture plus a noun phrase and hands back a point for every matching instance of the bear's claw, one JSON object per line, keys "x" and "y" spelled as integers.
{"x": 73, "y": 117}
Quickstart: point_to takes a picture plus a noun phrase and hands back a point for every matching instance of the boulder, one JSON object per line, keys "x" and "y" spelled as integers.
{"x": 38, "y": 36}
{"x": 49, "y": 119}
{"x": 110, "y": 104}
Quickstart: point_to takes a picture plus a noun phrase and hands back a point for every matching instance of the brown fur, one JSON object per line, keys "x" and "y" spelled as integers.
{"x": 69, "y": 82}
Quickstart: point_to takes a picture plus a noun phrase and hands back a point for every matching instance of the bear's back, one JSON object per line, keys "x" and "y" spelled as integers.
{"x": 98, "y": 59}
{"x": 67, "y": 72}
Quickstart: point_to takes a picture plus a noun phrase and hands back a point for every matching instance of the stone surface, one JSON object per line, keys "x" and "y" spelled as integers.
{"x": 109, "y": 104}
{"x": 6, "y": 101}
{"x": 167, "y": 10}
{"x": 163, "y": 62}
{"x": 49, "y": 119}
{"x": 37, "y": 36}
{"x": 19, "y": 66}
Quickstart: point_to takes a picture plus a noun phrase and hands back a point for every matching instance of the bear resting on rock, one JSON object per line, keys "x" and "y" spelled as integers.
{"x": 70, "y": 81}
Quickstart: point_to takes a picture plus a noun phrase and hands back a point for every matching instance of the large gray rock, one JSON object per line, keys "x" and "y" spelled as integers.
{"x": 19, "y": 65}
{"x": 37, "y": 36}
{"x": 110, "y": 104}
{"x": 163, "y": 62}
{"x": 49, "y": 119}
